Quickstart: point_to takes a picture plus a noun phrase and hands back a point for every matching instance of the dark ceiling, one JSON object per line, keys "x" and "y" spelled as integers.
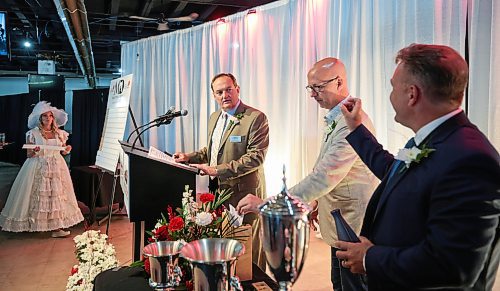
{"x": 109, "y": 23}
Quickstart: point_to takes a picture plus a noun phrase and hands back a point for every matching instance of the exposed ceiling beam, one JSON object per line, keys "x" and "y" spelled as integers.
{"x": 178, "y": 9}
{"x": 115, "y": 8}
{"x": 146, "y": 8}
{"x": 27, "y": 25}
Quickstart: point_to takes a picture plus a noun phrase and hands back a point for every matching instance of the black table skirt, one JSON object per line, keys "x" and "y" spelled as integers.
{"x": 134, "y": 279}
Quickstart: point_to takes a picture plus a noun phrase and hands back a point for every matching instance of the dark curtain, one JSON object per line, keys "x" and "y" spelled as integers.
{"x": 89, "y": 111}
{"x": 14, "y": 112}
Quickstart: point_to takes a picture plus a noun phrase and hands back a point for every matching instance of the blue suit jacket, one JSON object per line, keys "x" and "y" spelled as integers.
{"x": 436, "y": 224}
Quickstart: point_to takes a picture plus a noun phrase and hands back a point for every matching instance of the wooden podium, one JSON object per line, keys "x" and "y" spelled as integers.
{"x": 153, "y": 184}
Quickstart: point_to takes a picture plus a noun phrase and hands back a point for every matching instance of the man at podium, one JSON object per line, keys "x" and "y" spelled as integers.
{"x": 234, "y": 157}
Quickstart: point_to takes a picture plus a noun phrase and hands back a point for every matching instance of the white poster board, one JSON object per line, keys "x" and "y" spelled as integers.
{"x": 114, "y": 124}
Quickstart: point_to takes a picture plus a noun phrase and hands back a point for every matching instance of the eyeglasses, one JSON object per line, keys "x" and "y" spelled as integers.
{"x": 319, "y": 88}
{"x": 220, "y": 92}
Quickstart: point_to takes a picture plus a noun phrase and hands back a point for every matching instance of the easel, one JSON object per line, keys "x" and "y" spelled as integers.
{"x": 116, "y": 174}
{"x": 107, "y": 159}
{"x": 111, "y": 200}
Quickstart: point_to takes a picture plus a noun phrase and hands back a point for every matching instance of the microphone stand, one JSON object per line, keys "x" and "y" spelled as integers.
{"x": 165, "y": 120}
{"x": 157, "y": 120}
{"x": 135, "y": 130}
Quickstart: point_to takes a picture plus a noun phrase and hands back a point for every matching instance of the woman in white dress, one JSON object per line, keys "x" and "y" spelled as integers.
{"x": 42, "y": 196}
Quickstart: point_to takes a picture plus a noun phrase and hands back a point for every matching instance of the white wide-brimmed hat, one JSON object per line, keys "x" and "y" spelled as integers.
{"x": 40, "y": 108}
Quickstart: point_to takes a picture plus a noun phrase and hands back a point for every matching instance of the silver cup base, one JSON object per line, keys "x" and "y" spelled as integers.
{"x": 160, "y": 286}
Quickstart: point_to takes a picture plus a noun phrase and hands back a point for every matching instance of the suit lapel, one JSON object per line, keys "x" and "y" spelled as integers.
{"x": 389, "y": 186}
{"x": 434, "y": 138}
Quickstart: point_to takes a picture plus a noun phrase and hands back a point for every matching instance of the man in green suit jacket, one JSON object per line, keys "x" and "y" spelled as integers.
{"x": 234, "y": 157}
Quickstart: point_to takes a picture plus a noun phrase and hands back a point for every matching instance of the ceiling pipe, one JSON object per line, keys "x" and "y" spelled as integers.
{"x": 74, "y": 19}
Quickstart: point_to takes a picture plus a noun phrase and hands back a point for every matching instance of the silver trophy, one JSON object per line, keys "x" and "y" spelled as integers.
{"x": 213, "y": 261}
{"x": 163, "y": 257}
{"x": 285, "y": 235}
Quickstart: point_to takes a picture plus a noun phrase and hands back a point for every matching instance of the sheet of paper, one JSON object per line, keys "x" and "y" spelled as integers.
{"x": 235, "y": 217}
{"x": 157, "y": 154}
{"x": 43, "y": 147}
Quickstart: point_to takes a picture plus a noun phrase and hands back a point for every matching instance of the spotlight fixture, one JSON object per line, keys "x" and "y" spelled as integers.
{"x": 27, "y": 41}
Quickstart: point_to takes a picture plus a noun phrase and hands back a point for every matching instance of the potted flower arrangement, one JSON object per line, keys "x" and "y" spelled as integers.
{"x": 207, "y": 218}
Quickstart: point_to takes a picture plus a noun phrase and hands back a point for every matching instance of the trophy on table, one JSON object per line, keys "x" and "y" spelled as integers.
{"x": 285, "y": 235}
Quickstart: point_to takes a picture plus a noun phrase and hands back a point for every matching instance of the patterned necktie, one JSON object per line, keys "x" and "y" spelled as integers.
{"x": 216, "y": 138}
{"x": 397, "y": 163}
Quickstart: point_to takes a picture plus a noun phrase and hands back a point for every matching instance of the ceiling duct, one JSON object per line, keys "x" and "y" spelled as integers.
{"x": 74, "y": 19}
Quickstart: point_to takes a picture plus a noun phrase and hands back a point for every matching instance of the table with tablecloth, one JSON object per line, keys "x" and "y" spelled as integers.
{"x": 135, "y": 279}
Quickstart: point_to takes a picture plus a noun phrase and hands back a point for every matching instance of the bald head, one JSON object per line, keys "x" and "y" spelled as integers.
{"x": 328, "y": 68}
{"x": 327, "y": 82}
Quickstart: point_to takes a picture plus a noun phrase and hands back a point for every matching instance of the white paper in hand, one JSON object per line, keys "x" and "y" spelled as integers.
{"x": 234, "y": 217}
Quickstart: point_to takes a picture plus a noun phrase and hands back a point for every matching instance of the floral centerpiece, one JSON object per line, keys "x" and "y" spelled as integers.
{"x": 94, "y": 255}
{"x": 207, "y": 218}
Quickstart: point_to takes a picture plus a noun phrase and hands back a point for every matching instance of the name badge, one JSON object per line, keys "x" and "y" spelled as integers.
{"x": 235, "y": 138}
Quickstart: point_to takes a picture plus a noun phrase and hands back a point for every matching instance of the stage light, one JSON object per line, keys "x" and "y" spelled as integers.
{"x": 27, "y": 44}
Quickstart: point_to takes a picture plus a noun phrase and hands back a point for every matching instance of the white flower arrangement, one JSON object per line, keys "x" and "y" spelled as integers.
{"x": 413, "y": 155}
{"x": 204, "y": 218}
{"x": 189, "y": 206}
{"x": 95, "y": 255}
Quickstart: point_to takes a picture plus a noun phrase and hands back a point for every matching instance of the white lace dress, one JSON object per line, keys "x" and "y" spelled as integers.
{"x": 42, "y": 196}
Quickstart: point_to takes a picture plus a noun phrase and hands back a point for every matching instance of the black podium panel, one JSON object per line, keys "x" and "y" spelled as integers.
{"x": 153, "y": 185}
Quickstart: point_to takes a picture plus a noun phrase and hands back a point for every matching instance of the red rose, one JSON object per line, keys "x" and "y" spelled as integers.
{"x": 176, "y": 224}
{"x": 162, "y": 233}
{"x": 74, "y": 270}
{"x": 207, "y": 197}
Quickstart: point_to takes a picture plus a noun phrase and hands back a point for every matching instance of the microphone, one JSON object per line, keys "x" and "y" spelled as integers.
{"x": 182, "y": 112}
{"x": 170, "y": 114}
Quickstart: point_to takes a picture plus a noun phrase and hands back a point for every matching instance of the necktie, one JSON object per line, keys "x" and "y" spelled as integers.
{"x": 216, "y": 137}
{"x": 397, "y": 163}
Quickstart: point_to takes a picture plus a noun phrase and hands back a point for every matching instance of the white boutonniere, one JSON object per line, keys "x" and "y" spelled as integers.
{"x": 235, "y": 119}
{"x": 329, "y": 129}
{"x": 413, "y": 155}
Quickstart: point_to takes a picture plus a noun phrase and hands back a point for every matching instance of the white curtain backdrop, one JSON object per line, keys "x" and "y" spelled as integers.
{"x": 270, "y": 54}
{"x": 484, "y": 67}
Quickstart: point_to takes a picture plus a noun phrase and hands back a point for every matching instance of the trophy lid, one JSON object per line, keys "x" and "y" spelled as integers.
{"x": 284, "y": 204}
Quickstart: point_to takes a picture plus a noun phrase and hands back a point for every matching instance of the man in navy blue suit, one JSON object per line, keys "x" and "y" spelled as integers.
{"x": 433, "y": 222}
